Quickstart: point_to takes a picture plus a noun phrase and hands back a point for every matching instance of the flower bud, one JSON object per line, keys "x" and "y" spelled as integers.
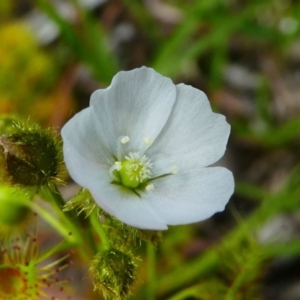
{"x": 30, "y": 157}
{"x": 113, "y": 273}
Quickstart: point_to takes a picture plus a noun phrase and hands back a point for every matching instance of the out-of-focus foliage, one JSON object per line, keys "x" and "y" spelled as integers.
{"x": 27, "y": 75}
{"x": 210, "y": 27}
{"x": 5, "y": 8}
{"x": 245, "y": 55}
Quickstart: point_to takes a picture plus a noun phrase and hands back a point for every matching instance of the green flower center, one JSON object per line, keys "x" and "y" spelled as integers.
{"x": 134, "y": 170}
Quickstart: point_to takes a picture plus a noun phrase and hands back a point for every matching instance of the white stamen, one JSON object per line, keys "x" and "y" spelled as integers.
{"x": 149, "y": 187}
{"x": 148, "y": 141}
{"x": 125, "y": 139}
{"x": 137, "y": 165}
{"x": 174, "y": 169}
{"x": 116, "y": 166}
{"x": 122, "y": 140}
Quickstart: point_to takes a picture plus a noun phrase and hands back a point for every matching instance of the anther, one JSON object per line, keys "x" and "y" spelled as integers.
{"x": 118, "y": 165}
{"x": 149, "y": 187}
{"x": 174, "y": 169}
{"x": 148, "y": 141}
{"x": 122, "y": 140}
{"x": 125, "y": 139}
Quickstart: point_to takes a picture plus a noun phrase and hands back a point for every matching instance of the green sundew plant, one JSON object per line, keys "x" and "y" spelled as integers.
{"x": 135, "y": 185}
{"x": 141, "y": 153}
{"x": 25, "y": 273}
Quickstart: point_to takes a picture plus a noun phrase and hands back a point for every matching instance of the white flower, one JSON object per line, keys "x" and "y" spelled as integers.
{"x": 142, "y": 149}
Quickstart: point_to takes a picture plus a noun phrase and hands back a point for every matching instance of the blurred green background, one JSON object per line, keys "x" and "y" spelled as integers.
{"x": 246, "y": 56}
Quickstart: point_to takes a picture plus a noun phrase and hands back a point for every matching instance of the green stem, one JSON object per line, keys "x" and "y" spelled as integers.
{"x": 249, "y": 270}
{"x": 57, "y": 203}
{"x": 186, "y": 293}
{"x": 54, "y": 223}
{"x": 68, "y": 222}
{"x": 97, "y": 225}
{"x": 151, "y": 264}
{"x": 56, "y": 195}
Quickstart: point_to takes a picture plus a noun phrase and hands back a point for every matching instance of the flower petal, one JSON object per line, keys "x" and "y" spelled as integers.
{"x": 137, "y": 104}
{"x": 83, "y": 170}
{"x": 115, "y": 200}
{"x": 126, "y": 206}
{"x": 83, "y": 135}
{"x": 193, "y": 135}
{"x": 191, "y": 196}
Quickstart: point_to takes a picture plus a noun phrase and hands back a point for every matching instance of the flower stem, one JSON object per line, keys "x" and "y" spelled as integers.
{"x": 60, "y": 203}
{"x": 56, "y": 195}
{"x": 151, "y": 263}
{"x": 97, "y": 225}
{"x": 55, "y": 198}
{"x": 54, "y": 223}
{"x": 69, "y": 226}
